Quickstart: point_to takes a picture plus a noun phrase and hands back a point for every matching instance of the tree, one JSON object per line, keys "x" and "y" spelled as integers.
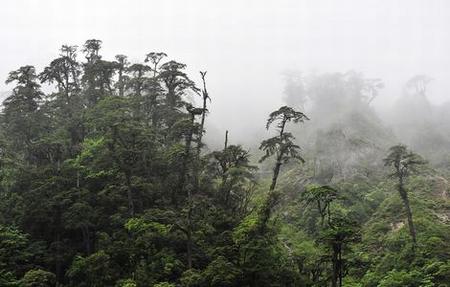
{"x": 284, "y": 149}
{"x": 98, "y": 73}
{"x": 155, "y": 58}
{"x": 231, "y": 168}
{"x": 154, "y": 88}
{"x": 418, "y": 84}
{"x": 322, "y": 196}
{"x": 184, "y": 185}
{"x": 65, "y": 72}
{"x": 337, "y": 229}
{"x": 371, "y": 88}
{"x": 14, "y": 251}
{"x": 39, "y": 278}
{"x": 205, "y": 97}
{"x": 23, "y": 118}
{"x": 404, "y": 163}
{"x": 282, "y": 145}
{"x": 138, "y": 78}
{"x": 176, "y": 82}
{"x": 66, "y": 104}
{"x": 340, "y": 232}
{"x": 122, "y": 67}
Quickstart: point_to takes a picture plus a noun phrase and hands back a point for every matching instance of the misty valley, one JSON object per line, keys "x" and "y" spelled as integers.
{"x": 108, "y": 178}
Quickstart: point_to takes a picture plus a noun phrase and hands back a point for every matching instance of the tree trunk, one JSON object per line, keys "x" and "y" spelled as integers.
{"x": 182, "y": 187}
{"x": 405, "y": 199}
{"x": 121, "y": 86}
{"x": 189, "y": 237}
{"x": 412, "y": 230}
{"x": 272, "y": 197}
{"x": 58, "y": 268}
{"x": 226, "y": 140}
{"x": 129, "y": 194}
{"x": 86, "y": 239}
{"x": 340, "y": 264}
{"x": 276, "y": 172}
{"x": 336, "y": 267}
{"x": 202, "y": 122}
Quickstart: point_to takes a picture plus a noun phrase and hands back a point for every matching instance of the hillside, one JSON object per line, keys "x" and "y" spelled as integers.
{"x": 107, "y": 180}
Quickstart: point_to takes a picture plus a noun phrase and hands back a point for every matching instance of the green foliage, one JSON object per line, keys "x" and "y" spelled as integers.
{"x": 138, "y": 225}
{"x": 105, "y": 181}
{"x": 403, "y": 161}
{"x": 221, "y": 272}
{"x": 94, "y": 270}
{"x": 8, "y": 279}
{"x": 402, "y": 278}
{"x": 126, "y": 283}
{"x": 282, "y": 145}
{"x": 14, "y": 251}
{"x": 164, "y": 284}
{"x": 38, "y": 278}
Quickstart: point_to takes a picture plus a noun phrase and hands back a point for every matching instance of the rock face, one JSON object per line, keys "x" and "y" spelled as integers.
{"x": 441, "y": 187}
{"x": 395, "y": 226}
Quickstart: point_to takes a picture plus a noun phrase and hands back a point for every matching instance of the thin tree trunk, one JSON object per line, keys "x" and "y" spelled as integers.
{"x": 58, "y": 267}
{"x": 86, "y": 239}
{"x": 412, "y": 229}
{"x": 334, "y": 259}
{"x": 273, "y": 196}
{"x": 340, "y": 265}
{"x": 226, "y": 140}
{"x": 276, "y": 172}
{"x": 183, "y": 179}
{"x": 405, "y": 199}
{"x": 189, "y": 233}
{"x": 129, "y": 194}
{"x": 121, "y": 88}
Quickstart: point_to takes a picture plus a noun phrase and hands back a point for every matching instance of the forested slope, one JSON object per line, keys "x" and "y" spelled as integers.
{"x": 106, "y": 181}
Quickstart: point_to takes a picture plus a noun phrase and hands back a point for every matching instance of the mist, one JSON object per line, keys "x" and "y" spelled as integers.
{"x": 247, "y": 48}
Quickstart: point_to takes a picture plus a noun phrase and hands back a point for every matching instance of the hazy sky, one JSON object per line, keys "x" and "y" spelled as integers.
{"x": 245, "y": 45}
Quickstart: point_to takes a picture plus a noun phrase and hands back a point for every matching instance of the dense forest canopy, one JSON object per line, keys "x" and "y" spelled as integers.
{"x": 106, "y": 179}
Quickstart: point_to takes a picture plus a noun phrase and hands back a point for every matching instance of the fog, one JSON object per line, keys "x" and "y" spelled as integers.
{"x": 246, "y": 47}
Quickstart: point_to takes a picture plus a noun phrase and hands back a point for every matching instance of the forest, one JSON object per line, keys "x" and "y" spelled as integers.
{"x": 107, "y": 179}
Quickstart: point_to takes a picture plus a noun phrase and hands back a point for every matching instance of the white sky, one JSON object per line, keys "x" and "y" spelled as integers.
{"x": 244, "y": 44}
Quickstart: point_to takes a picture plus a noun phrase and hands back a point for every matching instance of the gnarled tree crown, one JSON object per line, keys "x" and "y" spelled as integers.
{"x": 403, "y": 160}
{"x": 285, "y": 114}
{"x": 282, "y": 145}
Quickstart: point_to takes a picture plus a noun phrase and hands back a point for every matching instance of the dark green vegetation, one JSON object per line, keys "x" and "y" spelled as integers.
{"x": 106, "y": 181}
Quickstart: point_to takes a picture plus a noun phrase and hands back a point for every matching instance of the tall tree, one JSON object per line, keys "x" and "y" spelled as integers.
{"x": 281, "y": 146}
{"x": 22, "y": 116}
{"x": 154, "y": 89}
{"x": 231, "y": 166}
{"x": 404, "y": 162}
{"x": 337, "y": 229}
{"x": 67, "y": 102}
{"x": 155, "y": 58}
{"x": 122, "y": 67}
{"x": 322, "y": 196}
{"x": 176, "y": 82}
{"x": 185, "y": 186}
{"x": 205, "y": 98}
{"x": 98, "y": 73}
